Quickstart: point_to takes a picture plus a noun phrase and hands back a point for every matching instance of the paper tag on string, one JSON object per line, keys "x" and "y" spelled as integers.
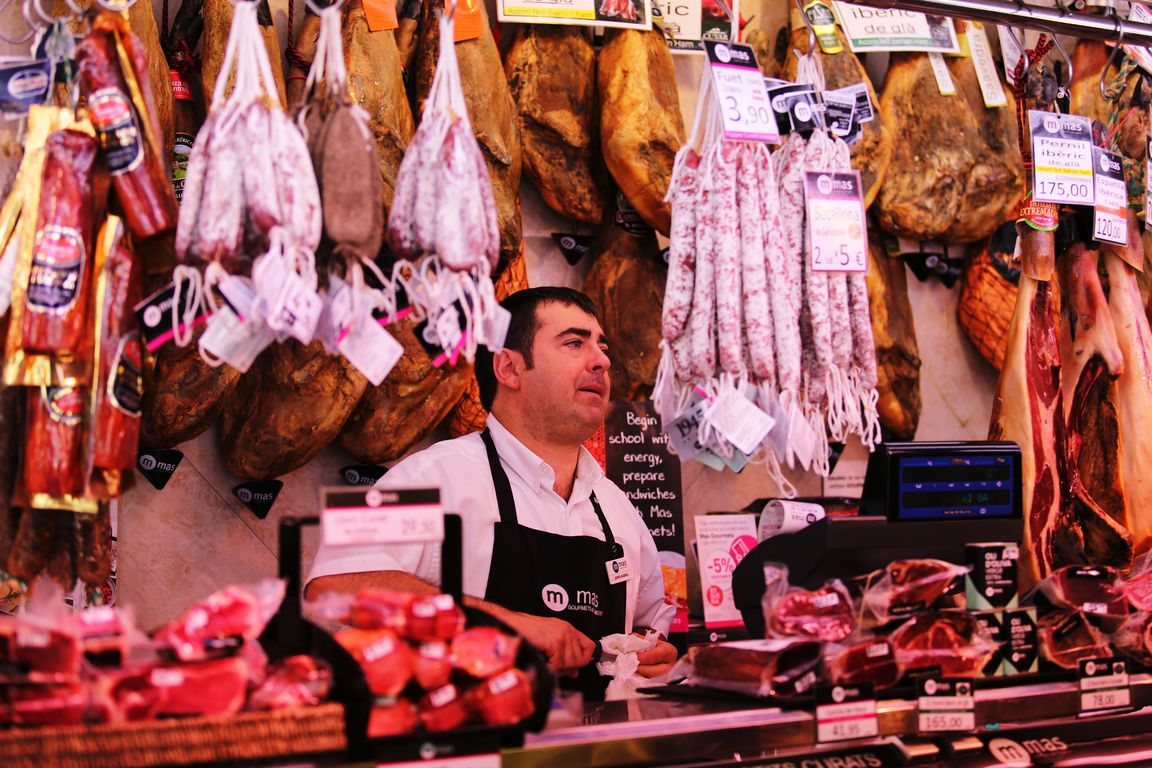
{"x": 802, "y": 439}
{"x": 684, "y": 429}
{"x": 990, "y": 86}
{"x": 381, "y": 15}
{"x": 468, "y": 22}
{"x": 496, "y": 328}
{"x": 236, "y": 342}
{"x": 296, "y": 309}
{"x": 742, "y": 423}
{"x": 1010, "y": 49}
{"x": 371, "y": 349}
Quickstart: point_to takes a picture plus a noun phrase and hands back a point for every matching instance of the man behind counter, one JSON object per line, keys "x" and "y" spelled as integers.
{"x": 551, "y": 546}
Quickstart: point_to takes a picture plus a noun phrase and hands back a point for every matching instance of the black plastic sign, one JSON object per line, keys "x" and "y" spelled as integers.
{"x": 362, "y": 474}
{"x": 158, "y": 465}
{"x": 258, "y": 495}
{"x": 573, "y": 247}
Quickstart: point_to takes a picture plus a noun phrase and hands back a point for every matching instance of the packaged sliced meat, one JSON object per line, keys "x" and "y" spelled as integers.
{"x": 432, "y": 666}
{"x": 444, "y": 708}
{"x": 215, "y": 688}
{"x": 128, "y": 693}
{"x": 436, "y": 617}
{"x": 504, "y": 699}
{"x": 1068, "y": 637}
{"x": 220, "y": 624}
{"x": 297, "y": 681}
{"x": 484, "y": 651}
{"x": 385, "y": 658}
{"x": 909, "y": 586}
{"x": 773, "y": 667}
{"x": 105, "y": 634}
{"x": 40, "y": 649}
{"x": 826, "y": 614}
{"x": 40, "y": 705}
{"x": 1097, "y": 592}
{"x": 393, "y": 719}
{"x": 953, "y": 642}
{"x": 378, "y": 609}
{"x": 1134, "y": 637}
{"x": 1137, "y": 590}
{"x": 867, "y": 660}
{"x": 113, "y": 69}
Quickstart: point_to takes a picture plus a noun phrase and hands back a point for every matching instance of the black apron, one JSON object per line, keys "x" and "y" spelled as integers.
{"x": 563, "y": 577}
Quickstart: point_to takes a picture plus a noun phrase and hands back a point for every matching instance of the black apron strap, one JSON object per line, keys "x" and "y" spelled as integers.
{"x": 504, "y": 500}
{"x": 609, "y": 539}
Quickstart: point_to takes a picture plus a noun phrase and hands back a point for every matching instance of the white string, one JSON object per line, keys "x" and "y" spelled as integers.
{"x": 182, "y": 330}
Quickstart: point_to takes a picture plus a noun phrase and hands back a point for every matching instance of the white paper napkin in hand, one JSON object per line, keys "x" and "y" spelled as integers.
{"x": 620, "y": 662}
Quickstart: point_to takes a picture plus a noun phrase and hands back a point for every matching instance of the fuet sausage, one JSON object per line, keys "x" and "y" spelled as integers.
{"x": 758, "y": 217}
{"x": 56, "y": 300}
{"x": 128, "y": 137}
{"x": 729, "y": 325}
{"x": 682, "y": 244}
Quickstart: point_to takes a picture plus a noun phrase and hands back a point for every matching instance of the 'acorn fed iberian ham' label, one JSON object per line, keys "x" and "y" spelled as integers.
{"x": 117, "y": 130}
{"x": 57, "y": 267}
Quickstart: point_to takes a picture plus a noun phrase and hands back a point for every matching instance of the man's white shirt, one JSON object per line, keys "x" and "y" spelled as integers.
{"x": 460, "y": 469}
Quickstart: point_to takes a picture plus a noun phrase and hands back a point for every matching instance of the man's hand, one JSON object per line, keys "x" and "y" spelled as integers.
{"x": 656, "y": 660}
{"x": 566, "y": 648}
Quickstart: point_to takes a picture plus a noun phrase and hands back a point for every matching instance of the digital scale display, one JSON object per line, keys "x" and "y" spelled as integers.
{"x": 964, "y": 486}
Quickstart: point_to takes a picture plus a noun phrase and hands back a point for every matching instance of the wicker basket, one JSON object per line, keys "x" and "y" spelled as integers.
{"x": 986, "y": 305}
{"x": 247, "y": 736}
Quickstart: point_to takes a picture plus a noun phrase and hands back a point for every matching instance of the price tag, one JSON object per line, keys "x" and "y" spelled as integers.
{"x": 742, "y": 423}
{"x": 943, "y": 76}
{"x": 296, "y": 309}
{"x": 1010, "y": 49}
{"x": 1104, "y": 685}
{"x": 947, "y": 704}
{"x": 872, "y": 29}
{"x": 845, "y": 712}
{"x": 684, "y": 431}
{"x": 371, "y": 349}
{"x": 1111, "y": 219}
{"x": 795, "y": 106}
{"x": 1139, "y": 13}
{"x": 155, "y": 315}
{"x": 990, "y": 86}
{"x": 744, "y": 105}
{"x": 1061, "y": 158}
{"x": 234, "y": 341}
{"x": 375, "y": 516}
{"x": 836, "y": 227}
{"x": 380, "y": 15}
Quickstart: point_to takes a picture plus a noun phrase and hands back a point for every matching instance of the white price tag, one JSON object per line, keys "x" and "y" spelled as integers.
{"x": 946, "y": 705}
{"x": 1104, "y": 685}
{"x": 741, "y": 93}
{"x": 1062, "y": 158}
{"x": 943, "y": 76}
{"x": 684, "y": 430}
{"x": 1111, "y": 216}
{"x": 371, "y": 349}
{"x": 742, "y": 423}
{"x": 990, "y": 86}
{"x": 296, "y": 309}
{"x": 836, "y": 225}
{"x": 497, "y": 328}
{"x": 354, "y": 516}
{"x": 234, "y": 341}
{"x": 1010, "y": 48}
{"x": 846, "y": 712}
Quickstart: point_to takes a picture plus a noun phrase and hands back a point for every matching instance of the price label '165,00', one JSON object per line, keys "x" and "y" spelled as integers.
{"x": 836, "y": 228}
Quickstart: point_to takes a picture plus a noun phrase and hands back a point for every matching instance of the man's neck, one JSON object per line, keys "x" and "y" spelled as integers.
{"x": 561, "y": 457}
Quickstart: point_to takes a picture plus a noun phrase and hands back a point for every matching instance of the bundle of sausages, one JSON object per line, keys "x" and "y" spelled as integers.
{"x": 444, "y": 214}
{"x": 743, "y": 310}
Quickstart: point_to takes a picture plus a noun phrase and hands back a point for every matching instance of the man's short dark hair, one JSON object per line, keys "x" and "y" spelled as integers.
{"x": 522, "y": 329}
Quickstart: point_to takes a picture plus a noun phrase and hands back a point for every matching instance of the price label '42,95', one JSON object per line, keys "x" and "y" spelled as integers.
{"x": 836, "y": 228}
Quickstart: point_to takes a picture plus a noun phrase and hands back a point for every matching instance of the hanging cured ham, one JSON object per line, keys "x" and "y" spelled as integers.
{"x": 641, "y": 128}
{"x": 552, "y": 73}
{"x": 217, "y": 24}
{"x": 897, "y": 352}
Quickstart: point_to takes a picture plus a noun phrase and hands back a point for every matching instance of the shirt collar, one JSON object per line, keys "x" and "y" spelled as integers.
{"x": 534, "y": 470}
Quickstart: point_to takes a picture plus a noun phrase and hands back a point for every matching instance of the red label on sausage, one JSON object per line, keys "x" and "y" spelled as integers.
{"x": 126, "y": 384}
{"x": 116, "y": 127}
{"x": 57, "y": 264}
{"x": 180, "y": 89}
{"x": 65, "y": 405}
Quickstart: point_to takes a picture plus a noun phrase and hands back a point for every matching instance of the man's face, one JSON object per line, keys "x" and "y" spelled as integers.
{"x": 567, "y": 388}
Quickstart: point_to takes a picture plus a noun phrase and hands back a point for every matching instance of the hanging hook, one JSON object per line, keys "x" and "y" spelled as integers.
{"x": 811, "y": 29}
{"x": 1064, "y": 89}
{"x": 45, "y": 19}
{"x": 1112, "y": 55}
{"x": 734, "y": 24}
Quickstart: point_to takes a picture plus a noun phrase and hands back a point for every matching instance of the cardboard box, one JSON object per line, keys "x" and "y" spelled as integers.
{"x": 993, "y": 624}
{"x": 1022, "y": 652}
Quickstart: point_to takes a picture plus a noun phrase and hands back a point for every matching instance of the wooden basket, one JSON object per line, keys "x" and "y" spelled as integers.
{"x": 247, "y": 736}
